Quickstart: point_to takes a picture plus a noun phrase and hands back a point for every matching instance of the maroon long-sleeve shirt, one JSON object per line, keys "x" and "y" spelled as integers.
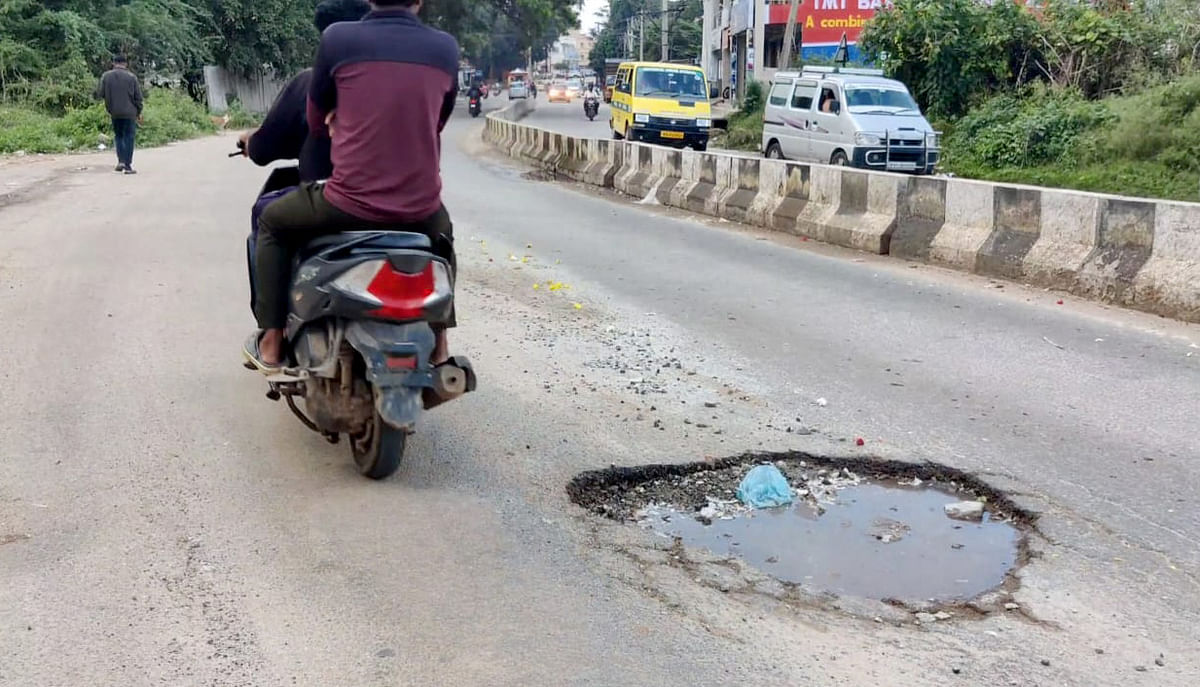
{"x": 392, "y": 82}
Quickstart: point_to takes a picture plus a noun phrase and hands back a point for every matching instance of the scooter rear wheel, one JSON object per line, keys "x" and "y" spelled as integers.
{"x": 379, "y": 449}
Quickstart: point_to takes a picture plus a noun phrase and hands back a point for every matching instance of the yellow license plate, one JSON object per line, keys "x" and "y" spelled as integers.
{"x": 672, "y": 134}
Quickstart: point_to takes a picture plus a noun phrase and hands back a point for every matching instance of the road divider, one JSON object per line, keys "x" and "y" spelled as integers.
{"x": 1134, "y": 252}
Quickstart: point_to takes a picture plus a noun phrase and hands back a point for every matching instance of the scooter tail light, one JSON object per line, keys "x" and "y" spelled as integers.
{"x": 397, "y": 295}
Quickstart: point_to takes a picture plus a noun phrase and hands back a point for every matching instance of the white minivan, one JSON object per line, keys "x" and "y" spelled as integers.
{"x": 847, "y": 117}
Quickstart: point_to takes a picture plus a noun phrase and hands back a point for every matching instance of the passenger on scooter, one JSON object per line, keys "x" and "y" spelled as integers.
{"x": 383, "y": 88}
{"x": 284, "y": 133}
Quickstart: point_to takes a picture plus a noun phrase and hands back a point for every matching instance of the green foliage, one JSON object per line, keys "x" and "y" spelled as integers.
{"x": 685, "y": 31}
{"x": 1145, "y": 144}
{"x": 953, "y": 52}
{"x": 1039, "y": 128}
{"x": 240, "y": 118}
{"x": 495, "y": 35}
{"x": 752, "y": 101}
{"x": 169, "y": 116}
{"x": 49, "y": 49}
{"x": 745, "y": 125}
{"x": 252, "y": 34}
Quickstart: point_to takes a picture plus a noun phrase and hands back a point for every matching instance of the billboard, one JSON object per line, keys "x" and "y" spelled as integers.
{"x": 824, "y": 21}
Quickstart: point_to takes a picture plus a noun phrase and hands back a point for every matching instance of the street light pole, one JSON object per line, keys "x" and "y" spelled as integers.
{"x": 666, "y": 34}
{"x": 642, "y": 36}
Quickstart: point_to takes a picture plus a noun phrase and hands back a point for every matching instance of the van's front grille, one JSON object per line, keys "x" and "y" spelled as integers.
{"x": 673, "y": 121}
{"x": 904, "y": 142}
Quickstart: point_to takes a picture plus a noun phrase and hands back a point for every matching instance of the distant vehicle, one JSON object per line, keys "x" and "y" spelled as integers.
{"x": 574, "y": 87}
{"x": 609, "y": 82}
{"x": 558, "y": 93}
{"x": 661, "y": 102}
{"x": 518, "y": 90}
{"x": 851, "y": 117}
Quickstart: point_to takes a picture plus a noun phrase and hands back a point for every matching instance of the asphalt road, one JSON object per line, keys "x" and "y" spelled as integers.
{"x": 161, "y": 523}
{"x": 568, "y": 118}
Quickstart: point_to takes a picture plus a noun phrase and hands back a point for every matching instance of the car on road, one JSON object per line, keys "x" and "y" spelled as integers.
{"x": 574, "y": 87}
{"x": 661, "y": 103}
{"x": 518, "y": 90}
{"x": 852, "y": 117}
{"x": 558, "y": 92}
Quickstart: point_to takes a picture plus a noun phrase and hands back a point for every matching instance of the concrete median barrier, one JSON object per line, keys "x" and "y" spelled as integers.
{"x": 920, "y": 216}
{"x": 1124, "y": 242}
{"x": 970, "y": 216}
{"x": 1169, "y": 282}
{"x": 1016, "y": 227}
{"x": 742, "y": 187}
{"x": 1069, "y": 227}
{"x": 866, "y": 211}
{"x": 1133, "y": 252}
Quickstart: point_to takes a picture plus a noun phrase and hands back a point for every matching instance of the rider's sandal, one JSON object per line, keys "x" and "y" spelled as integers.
{"x": 253, "y": 356}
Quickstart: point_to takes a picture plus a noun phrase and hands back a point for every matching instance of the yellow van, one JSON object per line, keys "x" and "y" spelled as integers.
{"x": 661, "y": 103}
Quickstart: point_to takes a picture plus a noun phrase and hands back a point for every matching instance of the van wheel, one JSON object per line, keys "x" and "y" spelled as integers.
{"x": 839, "y": 159}
{"x": 774, "y": 152}
{"x": 616, "y": 134}
{"x": 700, "y": 147}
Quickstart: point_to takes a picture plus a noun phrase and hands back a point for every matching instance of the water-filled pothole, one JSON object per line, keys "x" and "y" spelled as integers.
{"x": 863, "y": 528}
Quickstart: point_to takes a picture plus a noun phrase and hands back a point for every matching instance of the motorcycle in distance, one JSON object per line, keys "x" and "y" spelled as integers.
{"x": 591, "y": 105}
{"x": 360, "y": 309}
{"x": 475, "y": 107}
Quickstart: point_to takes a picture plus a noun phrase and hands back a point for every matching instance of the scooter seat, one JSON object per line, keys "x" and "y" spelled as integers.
{"x": 368, "y": 241}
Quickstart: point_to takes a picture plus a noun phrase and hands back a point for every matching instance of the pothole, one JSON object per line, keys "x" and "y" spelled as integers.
{"x": 915, "y": 534}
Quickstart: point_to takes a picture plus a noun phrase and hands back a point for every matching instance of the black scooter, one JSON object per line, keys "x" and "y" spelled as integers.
{"x": 475, "y": 107}
{"x": 359, "y": 331}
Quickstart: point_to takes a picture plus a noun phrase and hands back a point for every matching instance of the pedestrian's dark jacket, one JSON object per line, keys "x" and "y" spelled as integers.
{"x": 122, "y": 94}
{"x": 284, "y": 134}
{"x": 391, "y": 83}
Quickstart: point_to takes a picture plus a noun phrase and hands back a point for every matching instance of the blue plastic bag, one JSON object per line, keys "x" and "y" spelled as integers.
{"x": 764, "y": 487}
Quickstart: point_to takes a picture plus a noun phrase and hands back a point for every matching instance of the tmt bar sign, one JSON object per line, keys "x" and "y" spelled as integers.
{"x": 824, "y": 21}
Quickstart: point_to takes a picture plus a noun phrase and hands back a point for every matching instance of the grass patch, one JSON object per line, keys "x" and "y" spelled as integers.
{"x": 745, "y": 125}
{"x": 168, "y": 116}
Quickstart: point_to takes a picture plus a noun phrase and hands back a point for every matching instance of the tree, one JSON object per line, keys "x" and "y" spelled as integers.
{"x": 685, "y": 27}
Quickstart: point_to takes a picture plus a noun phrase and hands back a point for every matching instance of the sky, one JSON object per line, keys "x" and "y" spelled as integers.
{"x": 588, "y": 16}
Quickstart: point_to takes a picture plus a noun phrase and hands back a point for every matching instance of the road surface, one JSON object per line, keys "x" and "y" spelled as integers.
{"x": 161, "y": 523}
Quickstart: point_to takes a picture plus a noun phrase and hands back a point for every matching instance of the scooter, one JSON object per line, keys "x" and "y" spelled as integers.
{"x": 361, "y": 309}
{"x": 591, "y": 105}
{"x": 475, "y": 107}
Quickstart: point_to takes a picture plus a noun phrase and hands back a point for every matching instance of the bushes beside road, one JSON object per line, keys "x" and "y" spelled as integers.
{"x": 169, "y": 116}
{"x": 1146, "y": 144}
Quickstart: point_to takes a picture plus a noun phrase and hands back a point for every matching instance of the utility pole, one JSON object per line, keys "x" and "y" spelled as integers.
{"x": 642, "y": 36}
{"x": 666, "y": 34}
{"x": 789, "y": 36}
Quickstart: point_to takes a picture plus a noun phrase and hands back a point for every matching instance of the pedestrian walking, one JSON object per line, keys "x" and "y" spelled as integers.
{"x": 122, "y": 95}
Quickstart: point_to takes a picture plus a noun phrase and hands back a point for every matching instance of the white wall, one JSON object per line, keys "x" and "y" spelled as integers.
{"x": 255, "y": 93}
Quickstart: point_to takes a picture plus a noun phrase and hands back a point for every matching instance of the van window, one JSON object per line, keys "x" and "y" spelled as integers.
{"x": 802, "y": 96}
{"x": 828, "y": 98}
{"x": 667, "y": 82}
{"x": 886, "y": 99}
{"x": 623, "y": 81}
{"x": 779, "y": 94}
